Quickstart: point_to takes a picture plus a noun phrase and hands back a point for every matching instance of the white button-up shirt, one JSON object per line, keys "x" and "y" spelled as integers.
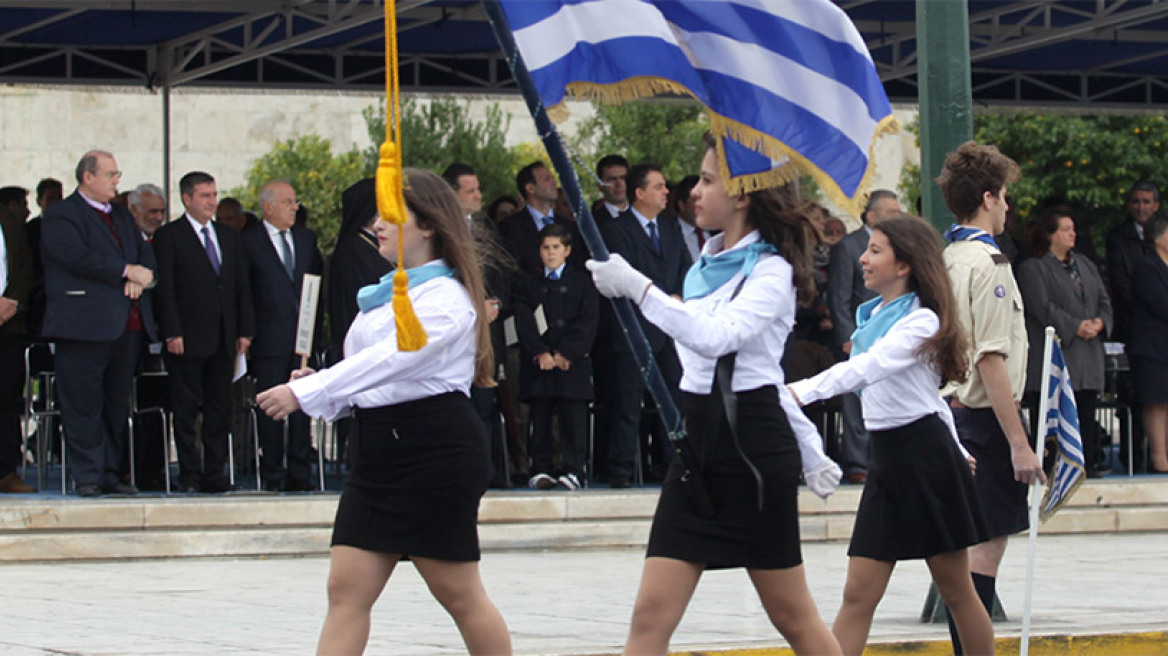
{"x": 375, "y": 373}
{"x": 755, "y": 325}
{"x": 898, "y": 387}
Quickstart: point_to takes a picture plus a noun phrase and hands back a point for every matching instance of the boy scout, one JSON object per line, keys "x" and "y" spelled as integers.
{"x": 986, "y": 407}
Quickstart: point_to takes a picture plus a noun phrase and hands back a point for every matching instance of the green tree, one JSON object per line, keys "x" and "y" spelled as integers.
{"x": 319, "y": 177}
{"x": 665, "y": 133}
{"x": 1087, "y": 162}
{"x": 440, "y": 132}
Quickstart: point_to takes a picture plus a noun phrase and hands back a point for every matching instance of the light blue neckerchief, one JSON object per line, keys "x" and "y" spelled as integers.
{"x": 370, "y": 297}
{"x": 961, "y": 233}
{"x": 870, "y": 328}
{"x": 712, "y": 271}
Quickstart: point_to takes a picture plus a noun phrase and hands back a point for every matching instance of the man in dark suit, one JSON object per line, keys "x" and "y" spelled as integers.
{"x": 206, "y": 316}
{"x": 49, "y": 191}
{"x": 652, "y": 243}
{"x": 16, "y": 280}
{"x": 1125, "y": 248}
{"x": 845, "y": 292}
{"x": 96, "y": 270}
{"x": 612, "y": 171}
{"x": 279, "y": 253}
{"x": 520, "y": 231}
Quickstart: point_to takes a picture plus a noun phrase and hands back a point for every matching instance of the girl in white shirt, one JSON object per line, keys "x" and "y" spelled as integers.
{"x": 419, "y": 453}
{"x": 919, "y": 500}
{"x": 740, "y": 298}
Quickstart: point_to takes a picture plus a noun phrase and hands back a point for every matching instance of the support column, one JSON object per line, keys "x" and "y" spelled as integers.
{"x": 945, "y": 92}
{"x": 166, "y": 147}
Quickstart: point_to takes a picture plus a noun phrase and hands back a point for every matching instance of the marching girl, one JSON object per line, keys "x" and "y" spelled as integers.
{"x": 751, "y": 471}
{"x": 919, "y": 500}
{"x": 419, "y": 457}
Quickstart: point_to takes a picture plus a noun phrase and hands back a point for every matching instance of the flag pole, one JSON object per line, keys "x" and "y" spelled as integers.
{"x": 629, "y": 323}
{"x": 1035, "y": 492}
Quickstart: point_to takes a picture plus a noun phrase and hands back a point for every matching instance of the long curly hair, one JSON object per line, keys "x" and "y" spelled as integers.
{"x": 915, "y": 243}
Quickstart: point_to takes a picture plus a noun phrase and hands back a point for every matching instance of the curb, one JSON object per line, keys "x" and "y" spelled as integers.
{"x": 1151, "y": 643}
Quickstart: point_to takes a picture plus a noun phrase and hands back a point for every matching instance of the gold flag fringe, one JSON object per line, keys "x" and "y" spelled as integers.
{"x": 721, "y": 126}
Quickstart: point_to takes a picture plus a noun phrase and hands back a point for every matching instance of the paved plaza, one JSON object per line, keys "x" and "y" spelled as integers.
{"x": 555, "y": 603}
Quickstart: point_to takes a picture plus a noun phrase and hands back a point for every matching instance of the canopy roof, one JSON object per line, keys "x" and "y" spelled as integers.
{"x": 1102, "y": 53}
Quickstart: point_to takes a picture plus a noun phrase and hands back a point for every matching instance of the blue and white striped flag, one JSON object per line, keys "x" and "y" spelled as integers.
{"x": 1062, "y": 422}
{"x": 782, "y": 80}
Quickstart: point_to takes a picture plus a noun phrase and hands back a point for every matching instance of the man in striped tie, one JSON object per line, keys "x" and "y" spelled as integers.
{"x": 205, "y": 315}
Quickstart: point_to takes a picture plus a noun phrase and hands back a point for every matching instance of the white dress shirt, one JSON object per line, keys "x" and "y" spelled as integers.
{"x": 689, "y": 233}
{"x": 278, "y": 242}
{"x": 198, "y": 228}
{"x": 538, "y": 217}
{"x": 898, "y": 387}
{"x": 375, "y": 373}
{"x": 755, "y": 325}
{"x": 613, "y": 210}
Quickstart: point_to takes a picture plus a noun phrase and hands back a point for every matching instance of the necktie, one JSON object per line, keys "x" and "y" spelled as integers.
{"x": 654, "y": 237}
{"x": 546, "y": 221}
{"x": 289, "y": 263}
{"x": 210, "y": 248}
{"x": 552, "y": 275}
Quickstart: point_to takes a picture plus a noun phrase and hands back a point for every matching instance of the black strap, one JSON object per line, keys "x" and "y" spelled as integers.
{"x": 723, "y": 378}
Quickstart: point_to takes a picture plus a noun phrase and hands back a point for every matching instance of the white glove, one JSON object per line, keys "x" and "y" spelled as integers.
{"x": 615, "y": 277}
{"x": 823, "y": 478}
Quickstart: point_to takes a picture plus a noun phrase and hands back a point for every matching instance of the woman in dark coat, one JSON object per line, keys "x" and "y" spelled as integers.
{"x": 1062, "y": 289}
{"x": 1148, "y": 346}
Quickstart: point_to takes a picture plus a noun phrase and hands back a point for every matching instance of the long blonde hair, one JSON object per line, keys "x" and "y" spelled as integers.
{"x": 435, "y": 208}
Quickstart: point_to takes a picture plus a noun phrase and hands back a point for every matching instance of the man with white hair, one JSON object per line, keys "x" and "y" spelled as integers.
{"x": 148, "y": 205}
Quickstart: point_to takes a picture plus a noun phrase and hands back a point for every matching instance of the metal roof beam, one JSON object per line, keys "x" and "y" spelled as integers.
{"x": 31, "y": 27}
{"x": 252, "y": 51}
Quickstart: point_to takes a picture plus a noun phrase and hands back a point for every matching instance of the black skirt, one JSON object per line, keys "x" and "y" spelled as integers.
{"x": 418, "y": 471}
{"x": 740, "y": 534}
{"x": 920, "y": 499}
{"x": 1150, "y": 378}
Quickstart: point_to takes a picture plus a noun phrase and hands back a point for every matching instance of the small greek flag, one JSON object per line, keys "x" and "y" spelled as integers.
{"x": 783, "y": 81}
{"x": 1062, "y": 422}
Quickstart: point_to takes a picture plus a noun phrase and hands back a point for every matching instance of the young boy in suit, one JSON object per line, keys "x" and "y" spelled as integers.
{"x": 556, "y": 321}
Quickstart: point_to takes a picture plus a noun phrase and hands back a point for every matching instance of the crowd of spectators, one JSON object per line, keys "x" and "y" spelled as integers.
{"x": 118, "y": 290}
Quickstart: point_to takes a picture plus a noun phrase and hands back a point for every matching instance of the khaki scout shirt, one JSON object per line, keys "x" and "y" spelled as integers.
{"x": 989, "y": 307}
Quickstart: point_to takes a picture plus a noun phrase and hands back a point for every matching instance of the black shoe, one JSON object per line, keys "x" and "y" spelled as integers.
{"x": 188, "y": 487}
{"x": 217, "y": 486}
{"x": 121, "y": 488}
{"x": 273, "y": 486}
{"x": 89, "y": 490}
{"x": 618, "y": 482}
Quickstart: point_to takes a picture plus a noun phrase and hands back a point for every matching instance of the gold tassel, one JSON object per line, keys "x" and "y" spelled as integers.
{"x": 391, "y": 203}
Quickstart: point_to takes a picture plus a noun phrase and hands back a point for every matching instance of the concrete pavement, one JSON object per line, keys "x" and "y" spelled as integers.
{"x": 554, "y": 602}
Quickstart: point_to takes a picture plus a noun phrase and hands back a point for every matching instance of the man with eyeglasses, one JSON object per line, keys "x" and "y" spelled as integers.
{"x": 96, "y": 269}
{"x": 279, "y": 253}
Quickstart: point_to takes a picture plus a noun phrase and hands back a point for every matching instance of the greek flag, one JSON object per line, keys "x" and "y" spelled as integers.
{"x": 783, "y": 81}
{"x": 1062, "y": 422}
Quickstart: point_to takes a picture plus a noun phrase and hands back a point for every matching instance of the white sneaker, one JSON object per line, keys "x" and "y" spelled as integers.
{"x": 570, "y": 481}
{"x": 541, "y": 481}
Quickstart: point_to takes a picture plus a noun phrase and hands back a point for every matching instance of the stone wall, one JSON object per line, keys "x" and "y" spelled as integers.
{"x": 44, "y": 130}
